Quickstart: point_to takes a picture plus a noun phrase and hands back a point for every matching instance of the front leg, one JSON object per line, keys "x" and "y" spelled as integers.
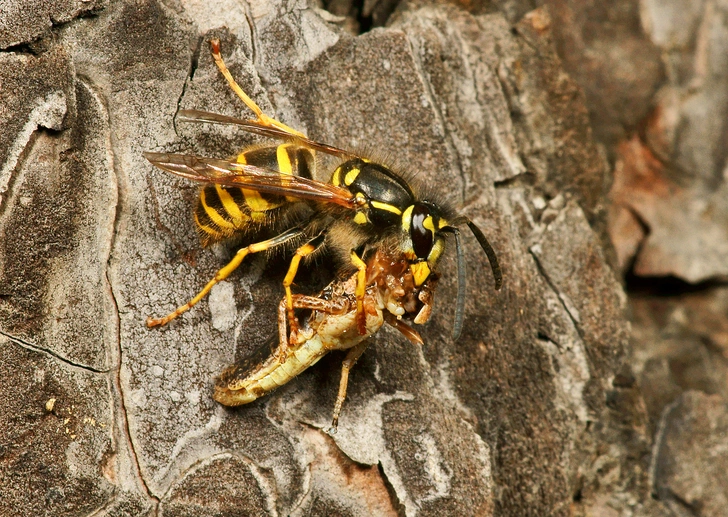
{"x": 361, "y": 290}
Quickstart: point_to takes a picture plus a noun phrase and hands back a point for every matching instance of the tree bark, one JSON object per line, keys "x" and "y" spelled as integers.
{"x": 533, "y": 411}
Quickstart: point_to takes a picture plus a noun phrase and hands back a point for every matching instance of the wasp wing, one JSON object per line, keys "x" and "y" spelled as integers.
{"x": 232, "y": 174}
{"x": 260, "y": 129}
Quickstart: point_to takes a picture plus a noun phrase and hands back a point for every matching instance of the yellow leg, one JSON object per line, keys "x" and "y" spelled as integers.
{"x": 301, "y": 252}
{"x": 350, "y": 360}
{"x": 361, "y": 290}
{"x": 223, "y": 273}
{"x": 262, "y": 117}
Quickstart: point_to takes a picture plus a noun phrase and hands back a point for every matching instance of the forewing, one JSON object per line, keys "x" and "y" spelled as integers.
{"x": 232, "y": 174}
{"x": 260, "y": 129}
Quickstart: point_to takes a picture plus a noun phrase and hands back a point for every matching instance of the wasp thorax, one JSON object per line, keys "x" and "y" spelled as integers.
{"x": 387, "y": 195}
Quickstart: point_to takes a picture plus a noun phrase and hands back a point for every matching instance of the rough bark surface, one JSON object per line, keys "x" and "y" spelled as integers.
{"x": 533, "y": 411}
{"x": 657, "y": 99}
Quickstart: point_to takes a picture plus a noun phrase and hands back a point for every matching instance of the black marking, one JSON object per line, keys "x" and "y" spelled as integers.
{"x": 266, "y": 157}
{"x": 378, "y": 183}
{"x": 238, "y": 198}
{"x": 213, "y": 201}
{"x": 203, "y": 218}
{"x": 422, "y": 238}
{"x": 302, "y": 161}
{"x": 488, "y": 249}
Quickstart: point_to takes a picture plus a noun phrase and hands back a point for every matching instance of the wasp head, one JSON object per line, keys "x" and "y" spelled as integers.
{"x": 425, "y": 227}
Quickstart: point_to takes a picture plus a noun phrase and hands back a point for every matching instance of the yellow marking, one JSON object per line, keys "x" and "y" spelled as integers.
{"x": 336, "y": 178}
{"x": 258, "y": 217}
{"x": 407, "y": 218}
{"x": 427, "y": 223}
{"x": 442, "y": 224}
{"x": 284, "y": 161}
{"x": 361, "y": 285}
{"x": 384, "y": 206}
{"x": 242, "y": 159}
{"x": 213, "y": 215}
{"x": 285, "y": 180}
{"x": 230, "y": 206}
{"x": 436, "y": 251}
{"x": 256, "y": 202}
{"x": 301, "y": 252}
{"x": 420, "y": 272}
{"x": 351, "y": 176}
{"x": 204, "y": 227}
{"x": 360, "y": 218}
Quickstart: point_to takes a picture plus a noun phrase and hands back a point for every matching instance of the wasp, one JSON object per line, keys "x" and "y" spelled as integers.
{"x": 390, "y": 297}
{"x": 365, "y": 207}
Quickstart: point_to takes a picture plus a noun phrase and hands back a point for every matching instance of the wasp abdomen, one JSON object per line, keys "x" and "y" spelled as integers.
{"x": 222, "y": 212}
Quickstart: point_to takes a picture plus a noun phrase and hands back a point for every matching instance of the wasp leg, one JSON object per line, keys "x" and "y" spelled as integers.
{"x": 351, "y": 358}
{"x": 223, "y": 273}
{"x": 361, "y": 289}
{"x": 262, "y": 117}
{"x": 301, "y": 252}
{"x": 301, "y": 301}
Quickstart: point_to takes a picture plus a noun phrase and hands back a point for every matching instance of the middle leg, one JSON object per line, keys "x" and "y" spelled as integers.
{"x": 224, "y": 272}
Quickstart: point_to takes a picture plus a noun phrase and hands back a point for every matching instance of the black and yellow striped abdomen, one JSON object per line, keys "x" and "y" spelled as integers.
{"x": 223, "y": 212}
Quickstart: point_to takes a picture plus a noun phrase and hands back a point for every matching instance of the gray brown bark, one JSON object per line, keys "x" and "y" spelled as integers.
{"x": 518, "y": 115}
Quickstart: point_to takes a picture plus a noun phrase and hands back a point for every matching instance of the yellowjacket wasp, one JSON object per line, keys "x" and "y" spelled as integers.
{"x": 364, "y": 208}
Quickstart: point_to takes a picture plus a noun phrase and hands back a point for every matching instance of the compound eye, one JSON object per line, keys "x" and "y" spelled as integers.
{"x": 422, "y": 236}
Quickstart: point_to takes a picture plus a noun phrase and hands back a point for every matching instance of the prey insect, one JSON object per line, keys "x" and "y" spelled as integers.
{"x": 332, "y": 325}
{"x": 366, "y": 207}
